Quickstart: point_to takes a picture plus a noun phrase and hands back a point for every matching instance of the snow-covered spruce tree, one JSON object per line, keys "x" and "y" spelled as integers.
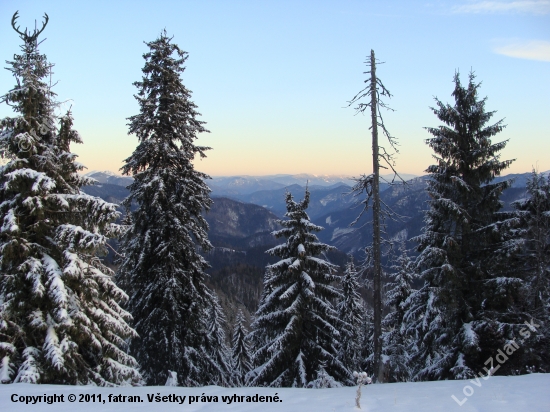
{"x": 367, "y": 343}
{"x": 534, "y": 214}
{"x": 297, "y": 316}
{"x": 162, "y": 270}
{"x": 395, "y": 342}
{"x": 240, "y": 350}
{"x": 221, "y": 371}
{"x": 350, "y": 312}
{"x": 60, "y": 319}
{"x": 530, "y": 247}
{"x": 258, "y": 337}
{"x": 458, "y": 327}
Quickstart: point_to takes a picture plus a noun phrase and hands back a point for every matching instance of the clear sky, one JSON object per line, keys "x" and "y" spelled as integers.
{"x": 272, "y": 77}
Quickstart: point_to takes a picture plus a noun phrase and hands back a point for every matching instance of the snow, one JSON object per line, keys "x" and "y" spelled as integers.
{"x": 329, "y": 198}
{"x": 41, "y": 180}
{"x": 172, "y": 379}
{"x": 105, "y": 172}
{"x": 341, "y": 231}
{"x": 10, "y": 222}
{"x": 496, "y": 394}
{"x": 52, "y": 349}
{"x": 5, "y": 369}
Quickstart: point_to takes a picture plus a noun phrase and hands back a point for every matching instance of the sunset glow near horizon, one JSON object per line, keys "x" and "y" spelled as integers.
{"x": 272, "y": 79}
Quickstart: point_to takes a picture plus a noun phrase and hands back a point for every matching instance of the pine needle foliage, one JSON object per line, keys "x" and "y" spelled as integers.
{"x": 297, "y": 317}
{"x": 529, "y": 247}
{"x": 221, "y": 373}
{"x": 395, "y": 341}
{"x": 163, "y": 270}
{"x": 350, "y": 310}
{"x": 449, "y": 316}
{"x": 60, "y": 319}
{"x": 240, "y": 350}
{"x": 534, "y": 215}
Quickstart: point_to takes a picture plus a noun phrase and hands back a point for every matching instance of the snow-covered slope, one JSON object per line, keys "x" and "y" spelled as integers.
{"x": 110, "y": 178}
{"x": 529, "y": 393}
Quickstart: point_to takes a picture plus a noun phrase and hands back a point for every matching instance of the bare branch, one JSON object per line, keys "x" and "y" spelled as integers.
{"x": 364, "y": 184}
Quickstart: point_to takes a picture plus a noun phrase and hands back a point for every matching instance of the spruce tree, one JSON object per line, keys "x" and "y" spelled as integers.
{"x": 367, "y": 332}
{"x": 350, "y": 312}
{"x": 258, "y": 337}
{"x": 60, "y": 319}
{"x": 529, "y": 244}
{"x": 221, "y": 371}
{"x": 452, "y": 316}
{"x": 297, "y": 317}
{"x": 240, "y": 350}
{"x": 162, "y": 270}
{"x": 534, "y": 215}
{"x": 395, "y": 341}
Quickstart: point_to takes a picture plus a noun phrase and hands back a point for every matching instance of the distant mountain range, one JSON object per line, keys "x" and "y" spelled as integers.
{"x": 239, "y": 186}
{"x": 229, "y": 186}
{"x": 242, "y": 221}
{"x": 244, "y": 216}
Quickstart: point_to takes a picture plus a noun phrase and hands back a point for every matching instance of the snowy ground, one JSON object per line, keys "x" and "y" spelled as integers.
{"x": 529, "y": 393}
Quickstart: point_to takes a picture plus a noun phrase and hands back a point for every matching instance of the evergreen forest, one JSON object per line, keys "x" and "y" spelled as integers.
{"x": 155, "y": 289}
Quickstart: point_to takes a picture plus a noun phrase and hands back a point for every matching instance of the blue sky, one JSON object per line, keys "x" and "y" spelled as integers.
{"x": 272, "y": 78}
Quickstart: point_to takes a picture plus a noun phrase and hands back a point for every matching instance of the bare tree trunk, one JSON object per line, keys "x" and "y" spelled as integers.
{"x": 376, "y": 227}
{"x": 371, "y": 186}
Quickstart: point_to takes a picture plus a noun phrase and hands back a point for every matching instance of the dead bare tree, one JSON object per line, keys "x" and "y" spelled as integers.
{"x": 370, "y": 184}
